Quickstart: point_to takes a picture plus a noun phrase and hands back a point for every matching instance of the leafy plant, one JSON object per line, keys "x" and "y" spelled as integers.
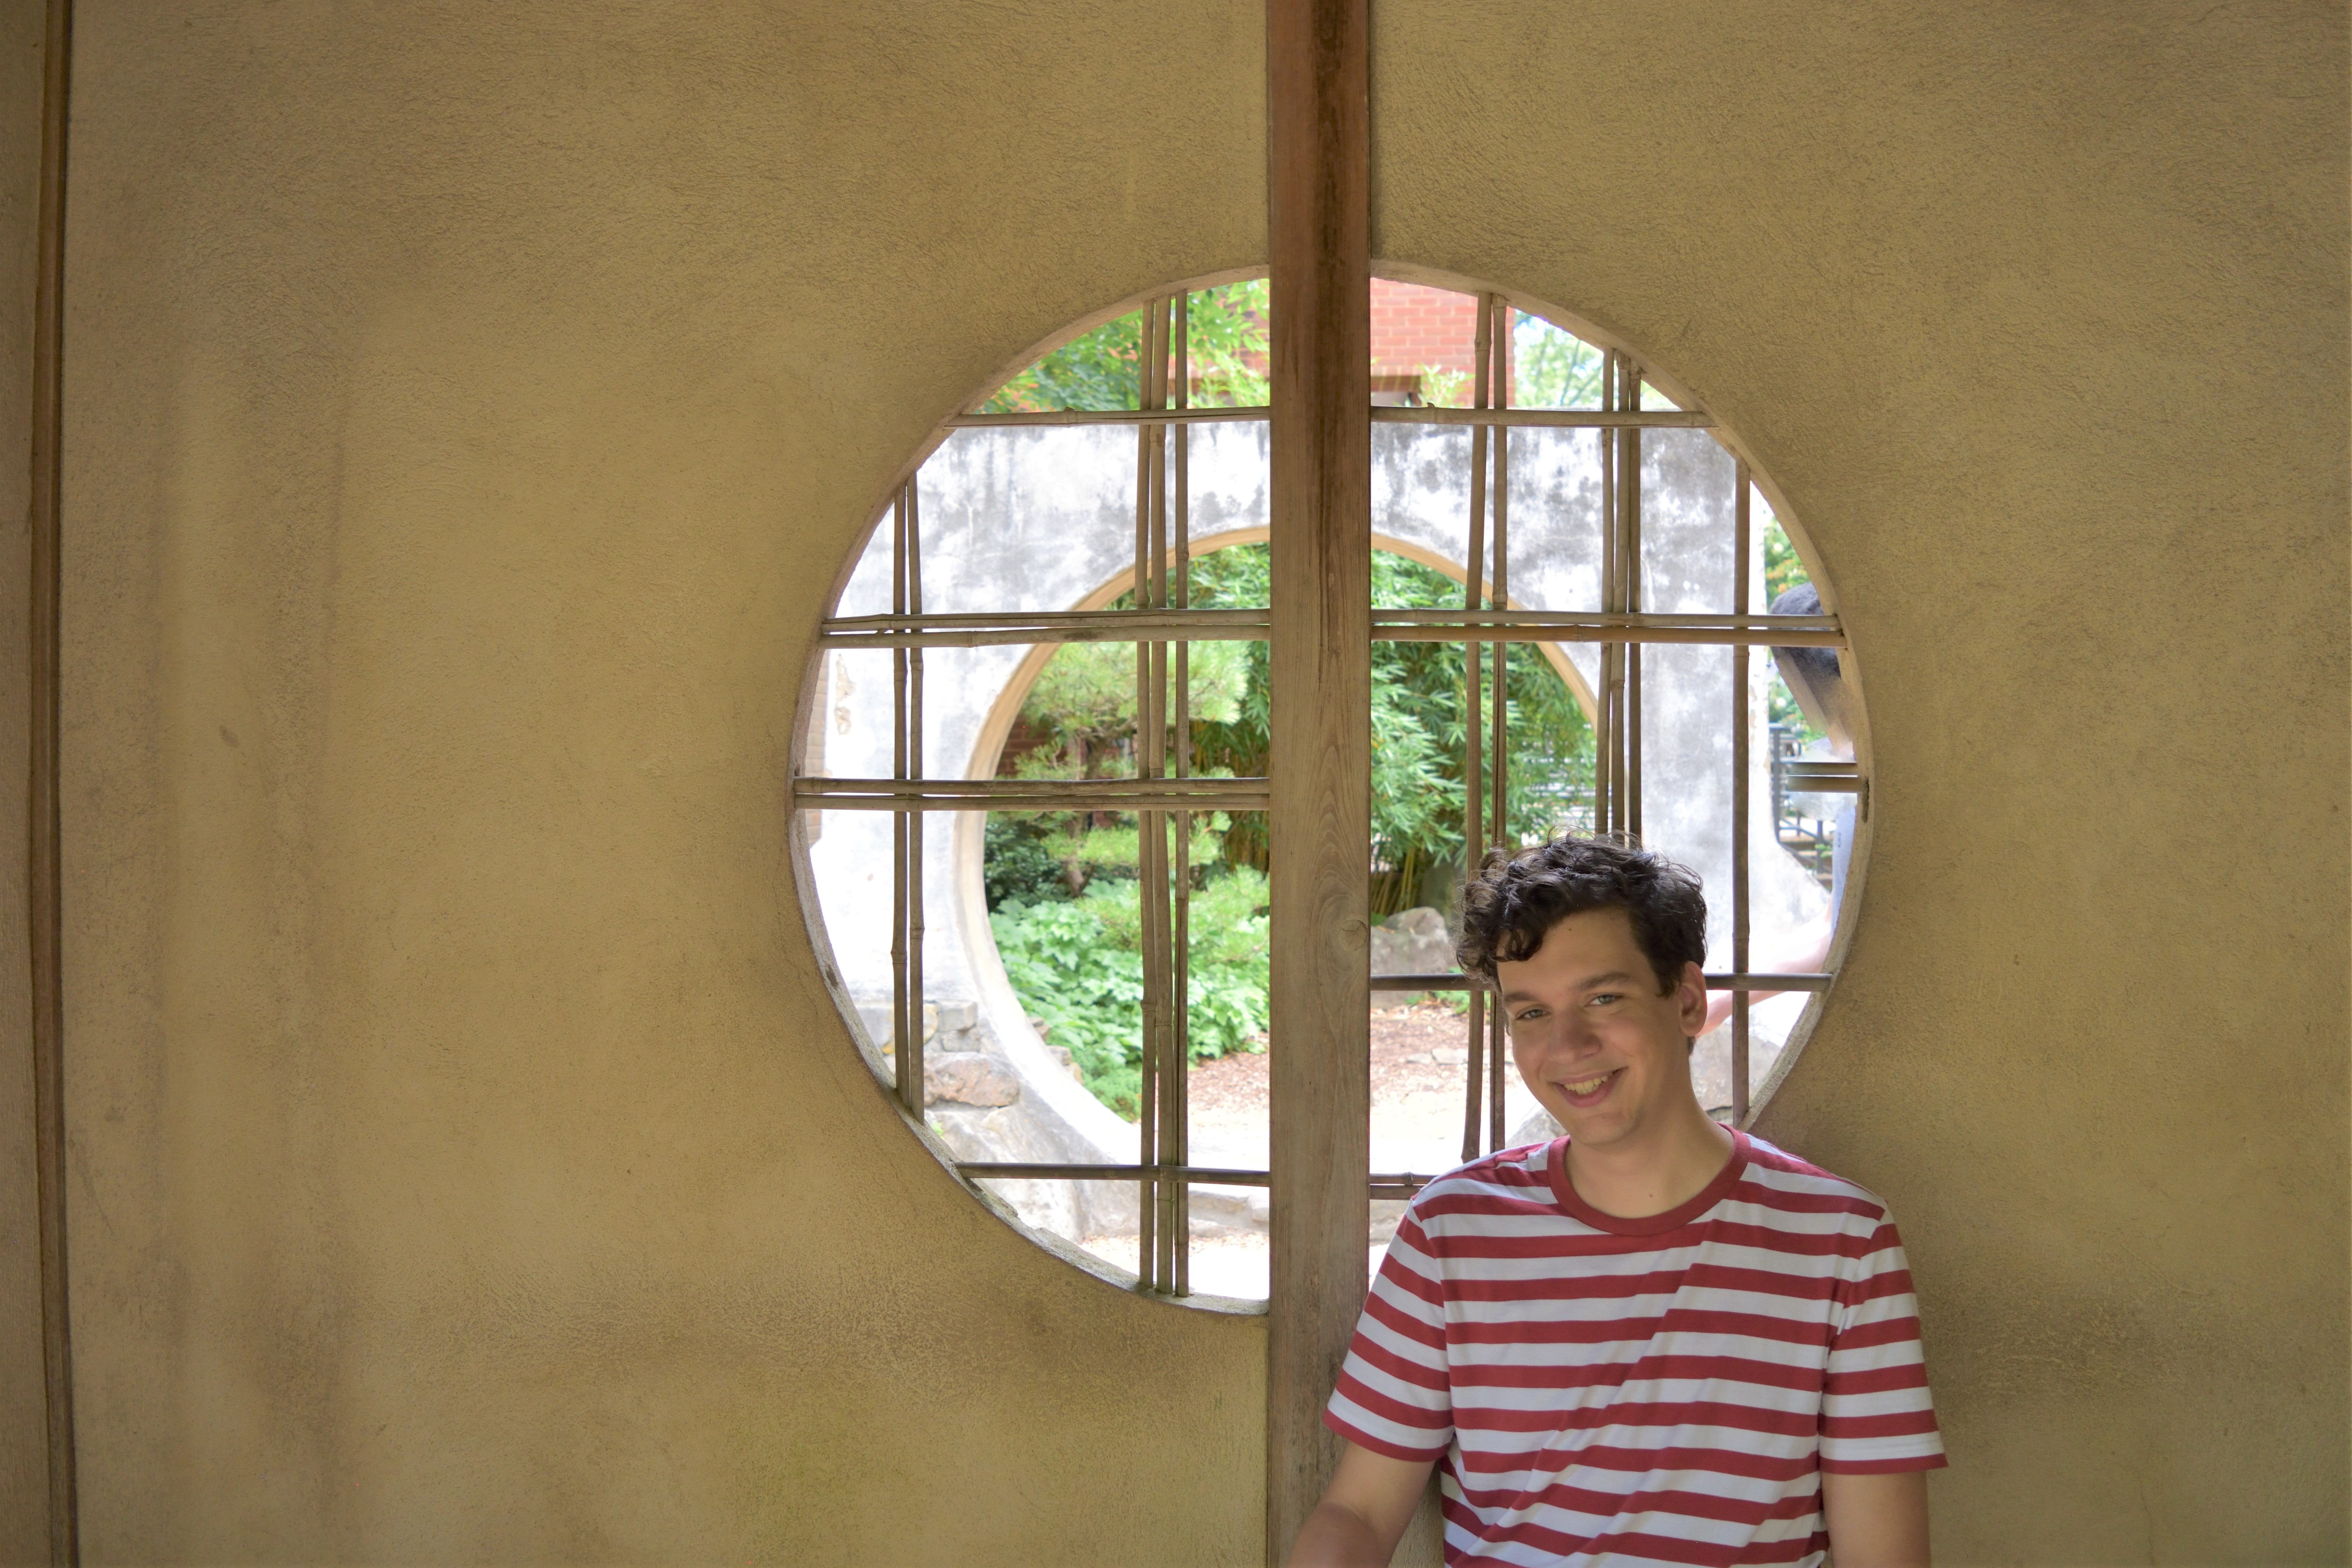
{"x": 1065, "y": 904}
{"x": 1552, "y": 369}
{"x": 1443, "y": 388}
{"x": 1784, "y": 570}
{"x": 1082, "y": 710}
{"x": 1103, "y": 369}
{"x": 1020, "y": 862}
{"x": 1077, "y": 965}
{"x": 1421, "y": 718}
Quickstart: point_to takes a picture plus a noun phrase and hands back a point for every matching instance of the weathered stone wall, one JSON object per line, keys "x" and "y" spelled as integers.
{"x": 1018, "y": 519}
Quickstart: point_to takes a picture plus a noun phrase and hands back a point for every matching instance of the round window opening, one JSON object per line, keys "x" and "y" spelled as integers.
{"x": 1032, "y": 814}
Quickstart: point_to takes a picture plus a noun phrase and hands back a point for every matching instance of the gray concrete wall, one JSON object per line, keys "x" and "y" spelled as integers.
{"x": 1043, "y": 519}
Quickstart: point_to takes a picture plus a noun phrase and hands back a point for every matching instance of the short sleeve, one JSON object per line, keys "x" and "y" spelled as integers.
{"x": 1876, "y": 1415}
{"x": 1393, "y": 1396}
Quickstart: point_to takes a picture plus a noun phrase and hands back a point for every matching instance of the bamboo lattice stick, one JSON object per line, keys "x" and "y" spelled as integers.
{"x": 1739, "y": 764}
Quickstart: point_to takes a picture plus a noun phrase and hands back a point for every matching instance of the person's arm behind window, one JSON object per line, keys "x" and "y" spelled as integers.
{"x": 1363, "y": 1514}
{"x": 1800, "y": 951}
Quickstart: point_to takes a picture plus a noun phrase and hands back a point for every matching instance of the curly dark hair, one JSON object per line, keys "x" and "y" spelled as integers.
{"x": 1518, "y": 896}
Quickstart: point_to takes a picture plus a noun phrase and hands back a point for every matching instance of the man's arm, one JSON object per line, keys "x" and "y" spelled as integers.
{"x": 1874, "y": 1522}
{"x": 1364, "y": 1512}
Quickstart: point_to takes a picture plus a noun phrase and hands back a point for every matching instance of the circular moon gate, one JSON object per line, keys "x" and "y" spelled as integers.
{"x": 1022, "y": 518}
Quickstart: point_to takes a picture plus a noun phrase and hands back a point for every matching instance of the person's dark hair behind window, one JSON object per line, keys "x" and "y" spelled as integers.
{"x": 1516, "y": 898}
{"x": 1814, "y": 675}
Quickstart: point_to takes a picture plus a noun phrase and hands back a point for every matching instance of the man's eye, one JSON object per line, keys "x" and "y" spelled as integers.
{"x": 1604, "y": 998}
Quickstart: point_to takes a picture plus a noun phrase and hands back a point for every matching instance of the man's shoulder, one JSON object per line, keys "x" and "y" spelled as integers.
{"x": 1784, "y": 1181}
{"x": 1507, "y": 1182}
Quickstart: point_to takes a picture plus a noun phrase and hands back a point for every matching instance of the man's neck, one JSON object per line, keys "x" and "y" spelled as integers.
{"x": 1653, "y": 1170}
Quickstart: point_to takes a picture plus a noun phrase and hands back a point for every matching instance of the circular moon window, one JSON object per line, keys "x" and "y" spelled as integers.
{"x": 1031, "y": 783}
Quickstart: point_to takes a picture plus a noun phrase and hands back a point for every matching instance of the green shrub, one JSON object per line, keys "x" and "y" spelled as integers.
{"x": 1020, "y": 862}
{"x": 1077, "y": 966}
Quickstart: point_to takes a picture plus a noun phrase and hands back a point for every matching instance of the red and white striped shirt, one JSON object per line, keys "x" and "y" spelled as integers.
{"x": 1657, "y": 1390}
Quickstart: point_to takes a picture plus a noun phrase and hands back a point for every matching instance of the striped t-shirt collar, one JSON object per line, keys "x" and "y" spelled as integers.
{"x": 1563, "y": 1192}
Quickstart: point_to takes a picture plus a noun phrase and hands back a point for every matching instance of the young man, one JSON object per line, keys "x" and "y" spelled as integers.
{"x": 1655, "y": 1340}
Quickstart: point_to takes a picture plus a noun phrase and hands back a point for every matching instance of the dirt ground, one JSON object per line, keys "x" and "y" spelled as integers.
{"x": 1419, "y": 1055}
{"x": 1420, "y": 1052}
{"x": 1420, "y": 1047}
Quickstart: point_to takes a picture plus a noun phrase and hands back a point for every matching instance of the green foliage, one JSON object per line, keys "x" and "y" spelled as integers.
{"x": 1552, "y": 369}
{"x": 1021, "y": 862}
{"x": 1085, "y": 701}
{"x": 1082, "y": 706}
{"x": 1077, "y": 965}
{"x": 1103, "y": 369}
{"x": 1784, "y": 570}
{"x": 1421, "y": 714}
{"x": 1443, "y": 388}
{"x": 1062, "y": 888}
{"x": 1235, "y": 743}
{"x": 1119, "y": 850}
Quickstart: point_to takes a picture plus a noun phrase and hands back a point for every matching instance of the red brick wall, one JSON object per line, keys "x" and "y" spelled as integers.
{"x": 1416, "y": 329}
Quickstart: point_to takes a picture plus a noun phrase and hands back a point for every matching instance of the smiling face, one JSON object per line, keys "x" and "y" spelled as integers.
{"x": 1593, "y": 1040}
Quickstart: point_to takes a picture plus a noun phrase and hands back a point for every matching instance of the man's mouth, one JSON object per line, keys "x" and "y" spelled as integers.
{"x": 1590, "y": 1090}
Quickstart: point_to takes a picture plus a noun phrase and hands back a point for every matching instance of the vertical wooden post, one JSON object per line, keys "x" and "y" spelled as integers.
{"x": 1150, "y": 1152}
{"x": 1473, "y": 822}
{"x": 1498, "y": 1048}
{"x": 902, "y": 1058}
{"x": 1319, "y": 158}
{"x": 44, "y": 857}
{"x": 1740, "y": 717}
{"x": 1178, "y": 1108}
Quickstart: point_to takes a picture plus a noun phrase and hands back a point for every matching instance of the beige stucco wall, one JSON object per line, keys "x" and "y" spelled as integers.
{"x": 2037, "y": 316}
{"x": 24, "y": 1396}
{"x": 468, "y": 408}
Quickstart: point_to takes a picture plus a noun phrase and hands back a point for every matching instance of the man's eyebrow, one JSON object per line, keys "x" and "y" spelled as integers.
{"x": 1589, "y": 983}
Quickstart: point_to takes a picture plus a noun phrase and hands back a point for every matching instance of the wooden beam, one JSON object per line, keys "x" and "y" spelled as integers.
{"x": 45, "y": 858}
{"x": 1318, "y": 159}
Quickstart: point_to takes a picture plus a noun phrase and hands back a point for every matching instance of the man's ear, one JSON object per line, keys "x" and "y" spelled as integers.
{"x": 1690, "y": 1000}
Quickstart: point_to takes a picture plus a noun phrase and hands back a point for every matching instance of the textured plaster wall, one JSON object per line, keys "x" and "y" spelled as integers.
{"x": 24, "y": 1400}
{"x": 469, "y": 409}
{"x": 2037, "y": 315}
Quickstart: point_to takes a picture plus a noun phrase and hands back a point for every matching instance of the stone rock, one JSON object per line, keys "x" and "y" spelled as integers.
{"x": 1539, "y": 1128}
{"x": 1412, "y": 942}
{"x": 1233, "y": 1208}
{"x": 969, "y": 1078}
{"x": 955, "y": 1026}
{"x": 1012, "y": 1133}
{"x": 1711, "y": 1067}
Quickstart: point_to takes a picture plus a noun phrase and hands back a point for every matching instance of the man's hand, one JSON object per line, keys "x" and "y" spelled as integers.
{"x": 1875, "y": 1522}
{"x": 1364, "y": 1513}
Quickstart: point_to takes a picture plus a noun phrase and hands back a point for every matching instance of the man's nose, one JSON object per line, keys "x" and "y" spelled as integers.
{"x": 1570, "y": 1034}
